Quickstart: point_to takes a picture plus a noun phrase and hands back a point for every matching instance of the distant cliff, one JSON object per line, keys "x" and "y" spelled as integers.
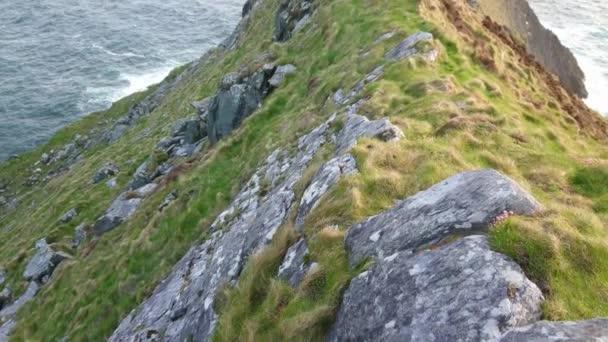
{"x": 543, "y": 44}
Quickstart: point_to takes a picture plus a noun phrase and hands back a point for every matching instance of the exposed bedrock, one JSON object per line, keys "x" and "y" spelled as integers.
{"x": 462, "y": 204}
{"x": 543, "y": 44}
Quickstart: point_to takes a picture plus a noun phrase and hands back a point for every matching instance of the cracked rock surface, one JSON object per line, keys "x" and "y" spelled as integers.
{"x": 462, "y": 204}
{"x": 459, "y": 292}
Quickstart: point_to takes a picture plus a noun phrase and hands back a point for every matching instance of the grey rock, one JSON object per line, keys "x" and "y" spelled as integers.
{"x": 278, "y": 77}
{"x": 181, "y": 307}
{"x": 80, "y": 235}
{"x": 106, "y": 171}
{"x": 172, "y": 196}
{"x": 459, "y": 292}
{"x": 189, "y": 130}
{"x": 407, "y": 47}
{"x": 342, "y": 98}
{"x": 162, "y": 170}
{"x": 68, "y": 216}
{"x": 591, "y": 330}
{"x": 45, "y": 158}
{"x": 385, "y": 36}
{"x": 112, "y": 182}
{"x": 43, "y": 263}
{"x": 294, "y": 266}
{"x": 357, "y": 126}
{"x": 234, "y": 102}
{"x": 291, "y": 14}
{"x": 122, "y": 208}
{"x": 7, "y": 314}
{"x": 141, "y": 176}
{"x": 325, "y": 178}
{"x": 166, "y": 143}
{"x": 462, "y": 204}
{"x": 5, "y": 297}
{"x": 3, "y": 276}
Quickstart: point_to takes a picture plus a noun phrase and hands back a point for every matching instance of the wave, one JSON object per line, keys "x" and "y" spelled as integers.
{"x": 111, "y": 53}
{"x": 98, "y": 97}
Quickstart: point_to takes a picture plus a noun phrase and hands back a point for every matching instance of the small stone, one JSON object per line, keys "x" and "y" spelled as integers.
{"x": 68, "y": 216}
{"x": 279, "y": 75}
{"x": 5, "y": 297}
{"x": 44, "y": 159}
{"x": 172, "y": 196}
{"x": 108, "y": 170}
{"x": 80, "y": 235}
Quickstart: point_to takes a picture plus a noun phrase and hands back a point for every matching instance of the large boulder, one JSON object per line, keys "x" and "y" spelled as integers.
{"x": 42, "y": 265}
{"x": 462, "y": 204}
{"x": 591, "y": 330}
{"x": 237, "y": 98}
{"x": 459, "y": 292}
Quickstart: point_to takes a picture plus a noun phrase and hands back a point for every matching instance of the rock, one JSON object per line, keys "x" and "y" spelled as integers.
{"x": 234, "y": 102}
{"x": 357, "y": 126}
{"x": 385, "y": 36}
{"x": 279, "y": 75}
{"x": 68, "y": 216}
{"x": 291, "y": 15}
{"x": 591, "y": 330}
{"x": 3, "y": 276}
{"x": 106, "y": 171}
{"x": 407, "y": 47}
{"x": 45, "y": 159}
{"x": 294, "y": 266}
{"x": 172, "y": 196}
{"x": 43, "y": 263}
{"x": 111, "y": 183}
{"x": 459, "y": 292}
{"x": 141, "y": 176}
{"x": 3, "y": 201}
{"x": 80, "y": 235}
{"x": 327, "y": 176}
{"x": 462, "y": 204}
{"x": 182, "y": 306}
{"x": 7, "y": 320}
{"x": 5, "y": 297}
{"x": 163, "y": 169}
{"x": 122, "y": 208}
{"x": 189, "y": 130}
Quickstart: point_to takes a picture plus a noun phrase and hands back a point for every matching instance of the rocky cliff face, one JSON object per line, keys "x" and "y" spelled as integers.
{"x": 321, "y": 178}
{"x": 543, "y": 44}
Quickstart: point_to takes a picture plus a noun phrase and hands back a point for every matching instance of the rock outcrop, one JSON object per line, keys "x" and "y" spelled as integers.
{"x": 291, "y": 16}
{"x": 591, "y": 330}
{"x": 543, "y": 44}
{"x": 459, "y": 292}
{"x": 181, "y": 307}
{"x": 294, "y": 266}
{"x": 42, "y": 265}
{"x": 409, "y": 47}
{"x": 462, "y": 204}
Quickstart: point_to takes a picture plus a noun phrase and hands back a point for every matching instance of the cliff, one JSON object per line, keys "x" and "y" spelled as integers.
{"x": 544, "y": 45}
{"x": 335, "y": 170}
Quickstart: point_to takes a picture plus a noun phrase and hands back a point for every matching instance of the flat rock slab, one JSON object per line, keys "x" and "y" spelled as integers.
{"x": 591, "y": 330}
{"x": 462, "y": 204}
{"x": 459, "y": 292}
{"x": 123, "y": 207}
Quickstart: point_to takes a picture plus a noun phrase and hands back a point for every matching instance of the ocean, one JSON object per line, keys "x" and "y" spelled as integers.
{"x": 582, "y": 25}
{"x": 62, "y": 59}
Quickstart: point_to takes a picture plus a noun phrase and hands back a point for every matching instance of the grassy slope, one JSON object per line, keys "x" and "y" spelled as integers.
{"x": 564, "y": 250}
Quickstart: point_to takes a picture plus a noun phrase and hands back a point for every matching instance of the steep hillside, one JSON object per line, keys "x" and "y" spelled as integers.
{"x": 346, "y": 169}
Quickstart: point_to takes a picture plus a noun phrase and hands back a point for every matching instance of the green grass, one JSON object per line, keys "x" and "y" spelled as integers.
{"x": 563, "y": 250}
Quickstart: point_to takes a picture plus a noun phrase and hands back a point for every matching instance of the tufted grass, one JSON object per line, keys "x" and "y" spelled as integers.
{"x": 456, "y": 115}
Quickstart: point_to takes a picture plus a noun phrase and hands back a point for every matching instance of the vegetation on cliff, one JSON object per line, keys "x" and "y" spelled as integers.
{"x": 483, "y": 103}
